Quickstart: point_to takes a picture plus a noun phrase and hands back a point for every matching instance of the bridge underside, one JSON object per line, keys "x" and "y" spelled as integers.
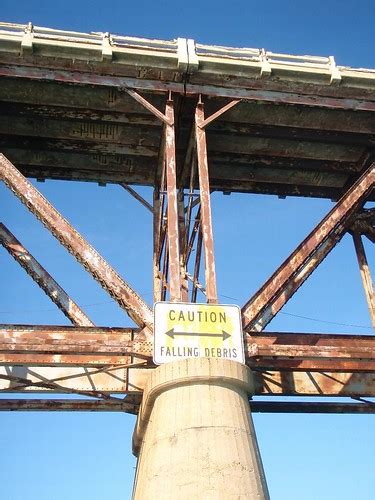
{"x": 186, "y": 120}
{"x": 99, "y": 133}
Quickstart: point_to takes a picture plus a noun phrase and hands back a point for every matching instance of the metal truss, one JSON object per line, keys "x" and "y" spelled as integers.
{"x": 292, "y": 364}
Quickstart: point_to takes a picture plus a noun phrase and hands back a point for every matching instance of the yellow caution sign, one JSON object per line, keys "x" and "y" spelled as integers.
{"x": 183, "y": 330}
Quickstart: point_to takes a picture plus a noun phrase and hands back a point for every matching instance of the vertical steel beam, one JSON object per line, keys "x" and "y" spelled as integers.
{"x": 197, "y": 266}
{"x": 172, "y": 211}
{"x": 93, "y": 262}
{"x": 206, "y": 219}
{"x": 278, "y": 289}
{"x": 183, "y": 245}
{"x": 157, "y": 227}
{"x": 54, "y": 291}
{"x": 365, "y": 275}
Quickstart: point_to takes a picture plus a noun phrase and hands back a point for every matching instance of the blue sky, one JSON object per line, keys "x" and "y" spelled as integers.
{"x": 88, "y": 456}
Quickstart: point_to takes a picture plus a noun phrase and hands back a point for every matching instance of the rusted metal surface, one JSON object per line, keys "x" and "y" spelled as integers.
{"x": 64, "y": 348}
{"x": 125, "y": 296}
{"x": 82, "y": 77}
{"x": 287, "y": 150}
{"x": 364, "y": 224}
{"x": 49, "y": 126}
{"x": 111, "y": 380}
{"x": 305, "y": 383}
{"x": 315, "y": 139}
{"x": 54, "y": 291}
{"x": 365, "y": 275}
{"x": 163, "y": 117}
{"x": 278, "y": 97}
{"x": 311, "y": 352}
{"x": 172, "y": 211}
{"x": 138, "y": 197}
{"x": 198, "y": 256}
{"x": 108, "y": 380}
{"x": 183, "y": 235}
{"x": 282, "y": 364}
{"x": 78, "y": 77}
{"x": 157, "y": 225}
{"x": 218, "y": 113}
{"x": 206, "y": 219}
{"x": 123, "y": 406}
{"x": 274, "y": 294}
{"x": 67, "y": 405}
{"x": 310, "y": 407}
{"x": 49, "y": 345}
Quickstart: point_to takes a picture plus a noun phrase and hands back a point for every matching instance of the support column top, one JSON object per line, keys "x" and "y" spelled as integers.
{"x": 190, "y": 371}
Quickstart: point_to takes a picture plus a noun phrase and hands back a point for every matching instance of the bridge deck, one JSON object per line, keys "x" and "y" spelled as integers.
{"x": 304, "y": 126}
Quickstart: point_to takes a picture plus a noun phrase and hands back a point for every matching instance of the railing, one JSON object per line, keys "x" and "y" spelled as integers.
{"x": 94, "y": 39}
{"x": 187, "y": 53}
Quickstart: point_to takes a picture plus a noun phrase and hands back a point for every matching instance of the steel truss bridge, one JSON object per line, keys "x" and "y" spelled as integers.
{"x": 186, "y": 119}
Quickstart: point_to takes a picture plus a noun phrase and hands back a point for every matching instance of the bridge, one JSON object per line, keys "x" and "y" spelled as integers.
{"x": 186, "y": 119}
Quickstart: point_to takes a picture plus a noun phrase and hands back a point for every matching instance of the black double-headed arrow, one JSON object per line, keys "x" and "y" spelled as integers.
{"x": 172, "y": 334}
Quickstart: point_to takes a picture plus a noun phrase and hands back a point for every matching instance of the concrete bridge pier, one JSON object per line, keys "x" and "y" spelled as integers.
{"x": 194, "y": 436}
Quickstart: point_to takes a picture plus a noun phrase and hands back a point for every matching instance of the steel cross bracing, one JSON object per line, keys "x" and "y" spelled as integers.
{"x": 283, "y": 364}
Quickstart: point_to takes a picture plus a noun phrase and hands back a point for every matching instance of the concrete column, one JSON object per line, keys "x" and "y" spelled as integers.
{"x": 194, "y": 436}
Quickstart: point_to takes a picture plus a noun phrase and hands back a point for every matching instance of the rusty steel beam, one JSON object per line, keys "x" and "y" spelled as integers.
{"x": 365, "y": 275}
{"x": 206, "y": 218}
{"x": 187, "y": 169}
{"x": 54, "y": 291}
{"x": 194, "y": 232}
{"x": 93, "y": 262}
{"x": 311, "y": 352}
{"x": 183, "y": 234}
{"x": 119, "y": 82}
{"x": 218, "y": 113}
{"x": 107, "y": 379}
{"x": 58, "y": 346}
{"x": 49, "y": 385}
{"x": 197, "y": 265}
{"x": 309, "y": 407}
{"x": 137, "y": 196}
{"x": 157, "y": 229}
{"x": 279, "y": 97}
{"x": 159, "y": 232}
{"x": 165, "y": 118}
{"x": 50, "y": 345}
{"x": 124, "y": 406}
{"x": 172, "y": 210}
{"x": 281, "y": 286}
{"x": 266, "y": 383}
{"x": 364, "y": 224}
{"x": 306, "y": 383}
{"x": 67, "y": 405}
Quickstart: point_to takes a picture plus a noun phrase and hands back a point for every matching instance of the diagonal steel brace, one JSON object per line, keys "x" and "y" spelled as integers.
{"x": 54, "y": 291}
{"x": 92, "y": 261}
{"x": 281, "y": 286}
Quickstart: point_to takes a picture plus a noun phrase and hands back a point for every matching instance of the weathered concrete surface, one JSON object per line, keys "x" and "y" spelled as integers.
{"x": 194, "y": 436}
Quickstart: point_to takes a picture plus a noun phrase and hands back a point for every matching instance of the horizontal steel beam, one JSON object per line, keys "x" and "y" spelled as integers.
{"x": 123, "y": 406}
{"x": 282, "y": 364}
{"x": 58, "y": 346}
{"x": 314, "y": 383}
{"x": 131, "y": 379}
{"x": 309, "y": 407}
{"x": 67, "y": 405}
{"x": 274, "y": 96}
{"x": 311, "y": 352}
{"x": 80, "y": 346}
